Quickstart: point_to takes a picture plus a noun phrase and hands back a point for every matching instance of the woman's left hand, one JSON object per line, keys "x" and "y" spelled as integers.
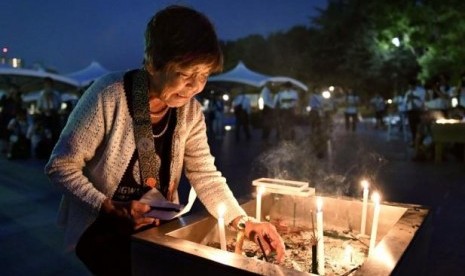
{"x": 269, "y": 238}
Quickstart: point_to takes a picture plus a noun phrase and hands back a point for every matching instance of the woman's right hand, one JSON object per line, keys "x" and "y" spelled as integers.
{"x": 129, "y": 214}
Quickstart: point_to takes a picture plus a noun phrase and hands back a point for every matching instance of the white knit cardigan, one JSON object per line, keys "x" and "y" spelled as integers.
{"x": 97, "y": 143}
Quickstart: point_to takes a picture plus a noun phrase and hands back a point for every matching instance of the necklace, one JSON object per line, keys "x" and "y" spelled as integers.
{"x": 166, "y": 126}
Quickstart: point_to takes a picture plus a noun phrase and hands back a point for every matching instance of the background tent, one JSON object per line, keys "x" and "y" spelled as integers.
{"x": 281, "y": 80}
{"x": 30, "y": 80}
{"x": 240, "y": 74}
{"x": 87, "y": 75}
{"x": 243, "y": 75}
{"x": 32, "y": 97}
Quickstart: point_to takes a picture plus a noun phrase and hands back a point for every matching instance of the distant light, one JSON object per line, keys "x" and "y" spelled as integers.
{"x": 64, "y": 106}
{"x": 5, "y": 50}
{"x": 326, "y": 94}
{"x": 331, "y": 88}
{"x": 227, "y": 127}
{"x": 261, "y": 103}
{"x": 395, "y": 41}
{"x": 455, "y": 102}
{"x": 308, "y": 108}
{"x": 447, "y": 121}
{"x": 389, "y": 101}
{"x": 205, "y": 105}
{"x": 225, "y": 97}
{"x": 15, "y": 62}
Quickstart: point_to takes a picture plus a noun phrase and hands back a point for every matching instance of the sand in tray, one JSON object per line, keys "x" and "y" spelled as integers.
{"x": 343, "y": 250}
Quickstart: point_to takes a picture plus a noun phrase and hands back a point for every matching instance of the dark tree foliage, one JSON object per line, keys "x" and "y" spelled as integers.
{"x": 371, "y": 46}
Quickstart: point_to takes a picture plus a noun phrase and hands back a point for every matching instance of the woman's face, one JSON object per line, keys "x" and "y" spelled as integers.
{"x": 177, "y": 86}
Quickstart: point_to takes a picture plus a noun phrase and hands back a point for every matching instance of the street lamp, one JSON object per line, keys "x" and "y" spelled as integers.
{"x": 395, "y": 41}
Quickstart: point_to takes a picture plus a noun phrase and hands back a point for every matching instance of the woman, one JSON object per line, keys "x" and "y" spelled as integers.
{"x": 103, "y": 161}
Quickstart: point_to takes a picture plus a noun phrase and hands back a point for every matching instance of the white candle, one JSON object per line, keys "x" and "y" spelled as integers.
{"x": 348, "y": 255}
{"x": 374, "y": 226}
{"x": 320, "y": 245}
{"x": 364, "y": 207}
{"x": 258, "y": 211}
{"x": 221, "y": 230}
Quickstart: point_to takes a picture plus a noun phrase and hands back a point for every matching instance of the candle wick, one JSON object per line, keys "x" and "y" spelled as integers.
{"x": 313, "y": 225}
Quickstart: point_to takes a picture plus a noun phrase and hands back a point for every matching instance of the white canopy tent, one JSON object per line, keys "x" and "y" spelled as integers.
{"x": 281, "y": 79}
{"x": 34, "y": 96}
{"x": 240, "y": 74}
{"x": 87, "y": 75}
{"x": 30, "y": 80}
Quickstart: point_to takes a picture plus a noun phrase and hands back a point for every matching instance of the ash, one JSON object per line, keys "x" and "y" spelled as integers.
{"x": 299, "y": 249}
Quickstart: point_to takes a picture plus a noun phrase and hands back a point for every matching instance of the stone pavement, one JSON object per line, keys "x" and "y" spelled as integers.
{"x": 31, "y": 244}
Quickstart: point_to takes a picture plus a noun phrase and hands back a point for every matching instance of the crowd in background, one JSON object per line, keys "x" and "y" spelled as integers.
{"x": 276, "y": 114}
{"x": 423, "y": 105}
{"x": 415, "y": 109}
{"x": 25, "y": 134}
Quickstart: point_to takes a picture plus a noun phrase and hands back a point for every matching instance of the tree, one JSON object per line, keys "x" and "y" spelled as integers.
{"x": 350, "y": 44}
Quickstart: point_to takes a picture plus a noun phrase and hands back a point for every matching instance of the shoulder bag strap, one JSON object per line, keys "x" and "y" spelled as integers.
{"x": 143, "y": 129}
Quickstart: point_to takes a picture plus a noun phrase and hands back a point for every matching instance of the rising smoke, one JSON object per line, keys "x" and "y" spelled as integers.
{"x": 336, "y": 173}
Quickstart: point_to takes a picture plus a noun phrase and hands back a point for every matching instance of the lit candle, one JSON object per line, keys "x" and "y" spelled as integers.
{"x": 320, "y": 244}
{"x": 364, "y": 207}
{"x": 374, "y": 226}
{"x": 221, "y": 230}
{"x": 348, "y": 254}
{"x": 258, "y": 211}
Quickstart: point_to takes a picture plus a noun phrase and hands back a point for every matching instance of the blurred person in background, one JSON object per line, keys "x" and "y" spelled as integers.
{"x": 315, "y": 104}
{"x": 378, "y": 105}
{"x": 40, "y": 137}
{"x": 414, "y": 101}
{"x": 268, "y": 116}
{"x": 216, "y": 113}
{"x": 352, "y": 102}
{"x": 10, "y": 104}
{"x": 19, "y": 146}
{"x": 286, "y": 104}
{"x": 48, "y": 106}
{"x": 460, "y": 92}
{"x": 242, "y": 109}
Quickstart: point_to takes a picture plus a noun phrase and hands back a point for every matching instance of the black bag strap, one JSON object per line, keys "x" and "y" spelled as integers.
{"x": 143, "y": 130}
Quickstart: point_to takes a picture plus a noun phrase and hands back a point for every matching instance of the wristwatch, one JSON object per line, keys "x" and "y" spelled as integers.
{"x": 241, "y": 223}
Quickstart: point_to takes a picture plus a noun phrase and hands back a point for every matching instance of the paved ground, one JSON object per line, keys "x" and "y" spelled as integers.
{"x": 30, "y": 242}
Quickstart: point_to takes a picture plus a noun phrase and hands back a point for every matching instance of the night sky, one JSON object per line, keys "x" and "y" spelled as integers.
{"x": 67, "y": 35}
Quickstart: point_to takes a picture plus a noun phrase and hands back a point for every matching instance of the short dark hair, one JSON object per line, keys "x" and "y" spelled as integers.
{"x": 183, "y": 36}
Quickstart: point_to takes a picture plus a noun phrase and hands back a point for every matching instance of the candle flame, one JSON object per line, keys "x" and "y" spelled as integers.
{"x": 376, "y": 197}
{"x": 365, "y": 184}
{"x": 221, "y": 210}
{"x": 319, "y": 203}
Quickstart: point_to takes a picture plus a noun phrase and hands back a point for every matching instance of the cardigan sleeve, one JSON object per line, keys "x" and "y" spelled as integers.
{"x": 208, "y": 182}
{"x": 77, "y": 145}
